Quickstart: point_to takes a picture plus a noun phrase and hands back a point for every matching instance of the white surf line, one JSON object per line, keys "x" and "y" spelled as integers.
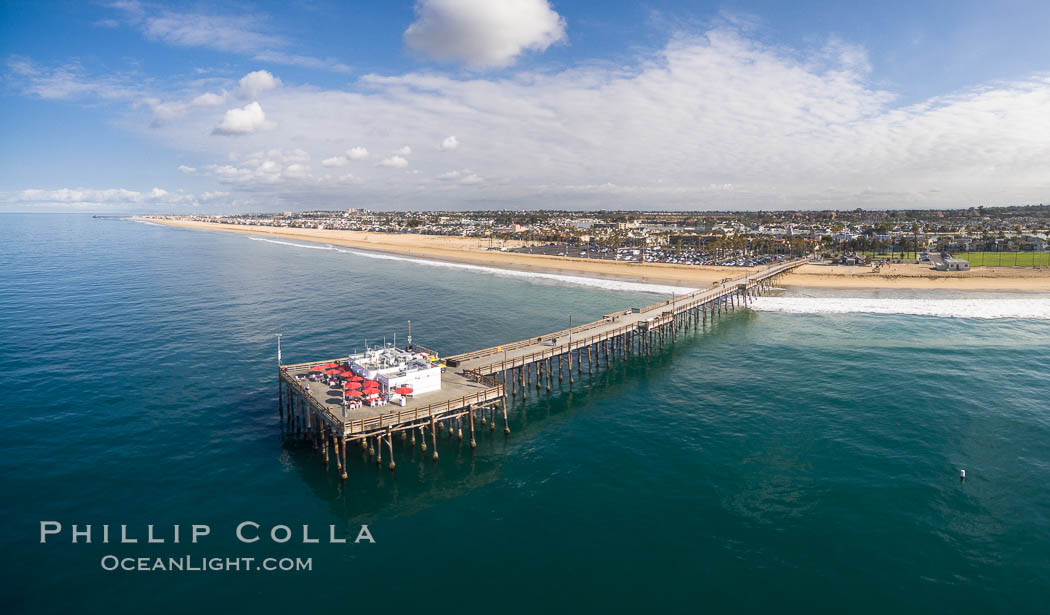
{"x": 1026, "y": 308}
{"x": 605, "y": 284}
{"x": 296, "y": 245}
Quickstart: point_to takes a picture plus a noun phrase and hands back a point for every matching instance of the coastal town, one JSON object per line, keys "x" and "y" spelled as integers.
{"x": 982, "y": 236}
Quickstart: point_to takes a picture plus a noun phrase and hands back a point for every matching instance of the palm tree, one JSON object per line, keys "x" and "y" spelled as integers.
{"x": 915, "y": 234}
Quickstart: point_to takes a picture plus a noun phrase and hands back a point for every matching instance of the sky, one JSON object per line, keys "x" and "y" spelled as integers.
{"x": 197, "y": 107}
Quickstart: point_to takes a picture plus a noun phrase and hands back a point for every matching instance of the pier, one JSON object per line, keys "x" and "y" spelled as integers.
{"x": 477, "y": 386}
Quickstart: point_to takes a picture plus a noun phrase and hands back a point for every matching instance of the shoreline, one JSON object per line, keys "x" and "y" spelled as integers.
{"x": 470, "y": 251}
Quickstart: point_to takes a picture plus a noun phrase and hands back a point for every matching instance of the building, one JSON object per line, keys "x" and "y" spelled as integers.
{"x": 394, "y": 367}
{"x": 952, "y": 264}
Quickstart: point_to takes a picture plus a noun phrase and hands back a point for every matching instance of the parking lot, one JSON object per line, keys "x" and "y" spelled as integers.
{"x": 738, "y": 258}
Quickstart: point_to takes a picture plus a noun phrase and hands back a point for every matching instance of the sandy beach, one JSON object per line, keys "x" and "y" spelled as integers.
{"x": 475, "y": 251}
{"x": 921, "y": 277}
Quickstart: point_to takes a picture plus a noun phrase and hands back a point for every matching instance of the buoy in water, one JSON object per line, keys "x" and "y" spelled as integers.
{"x": 962, "y": 475}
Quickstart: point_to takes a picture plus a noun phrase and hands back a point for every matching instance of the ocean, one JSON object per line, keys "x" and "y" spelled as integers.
{"x": 801, "y": 456}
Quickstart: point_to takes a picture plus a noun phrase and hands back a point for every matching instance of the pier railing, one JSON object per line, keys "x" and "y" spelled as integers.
{"x": 398, "y": 419}
{"x": 477, "y": 376}
{"x": 493, "y": 391}
{"x": 677, "y": 304}
{"x": 485, "y": 352}
{"x": 325, "y": 411}
{"x": 311, "y": 363}
{"x": 578, "y": 329}
{"x": 553, "y": 351}
{"x": 701, "y": 294}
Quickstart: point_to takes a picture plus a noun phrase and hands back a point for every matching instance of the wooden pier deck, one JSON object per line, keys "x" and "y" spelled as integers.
{"x": 477, "y": 384}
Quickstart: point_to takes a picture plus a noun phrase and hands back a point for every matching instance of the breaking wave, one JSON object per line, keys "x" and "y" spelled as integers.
{"x": 1025, "y": 308}
{"x": 296, "y": 245}
{"x": 604, "y": 284}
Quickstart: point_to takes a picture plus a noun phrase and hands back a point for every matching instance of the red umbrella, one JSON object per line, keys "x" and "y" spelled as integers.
{"x": 331, "y": 372}
{"x": 353, "y": 393}
{"x": 370, "y": 383}
{"x": 352, "y": 385}
{"x": 317, "y": 368}
{"x": 371, "y": 391}
{"x": 330, "y": 365}
{"x": 356, "y": 379}
{"x": 403, "y": 390}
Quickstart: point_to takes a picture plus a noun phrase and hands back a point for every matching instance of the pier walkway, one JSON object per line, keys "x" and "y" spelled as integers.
{"x": 497, "y": 358}
{"x": 476, "y": 384}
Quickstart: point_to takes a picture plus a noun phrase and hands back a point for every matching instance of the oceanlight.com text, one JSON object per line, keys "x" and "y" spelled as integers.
{"x": 187, "y": 563}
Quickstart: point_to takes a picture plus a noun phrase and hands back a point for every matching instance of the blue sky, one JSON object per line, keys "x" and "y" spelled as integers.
{"x": 136, "y": 106}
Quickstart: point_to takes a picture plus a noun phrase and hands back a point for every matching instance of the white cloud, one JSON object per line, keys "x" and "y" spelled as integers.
{"x": 187, "y": 170}
{"x": 248, "y": 34}
{"x": 230, "y": 173}
{"x": 463, "y": 176}
{"x": 242, "y": 34}
{"x": 334, "y": 161}
{"x": 175, "y": 109}
{"x": 712, "y": 120}
{"x": 293, "y": 59}
{"x": 255, "y": 83}
{"x": 273, "y": 166}
{"x": 208, "y": 99}
{"x": 80, "y": 195}
{"x": 163, "y": 112}
{"x": 665, "y": 130}
{"x": 847, "y": 55}
{"x": 405, "y": 151}
{"x": 296, "y": 171}
{"x": 394, "y": 162}
{"x": 112, "y": 197}
{"x": 449, "y": 144}
{"x": 67, "y": 82}
{"x": 483, "y": 33}
{"x": 242, "y": 121}
{"x": 293, "y": 155}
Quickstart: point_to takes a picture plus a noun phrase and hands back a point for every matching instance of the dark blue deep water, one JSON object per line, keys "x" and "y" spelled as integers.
{"x": 777, "y": 463}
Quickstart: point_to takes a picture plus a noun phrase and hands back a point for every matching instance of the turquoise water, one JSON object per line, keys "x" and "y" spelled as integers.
{"x": 792, "y": 462}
